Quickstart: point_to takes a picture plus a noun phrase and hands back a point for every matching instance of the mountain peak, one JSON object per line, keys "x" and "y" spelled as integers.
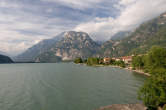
{"x": 66, "y": 46}
{"x": 73, "y": 35}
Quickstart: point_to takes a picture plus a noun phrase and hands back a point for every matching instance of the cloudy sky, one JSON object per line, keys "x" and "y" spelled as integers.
{"x": 24, "y": 23}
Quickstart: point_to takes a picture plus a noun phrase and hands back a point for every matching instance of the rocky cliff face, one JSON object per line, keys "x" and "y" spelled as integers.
{"x": 73, "y": 45}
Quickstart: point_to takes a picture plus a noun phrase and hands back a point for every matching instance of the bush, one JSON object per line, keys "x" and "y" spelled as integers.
{"x": 120, "y": 63}
{"x": 153, "y": 93}
{"x": 156, "y": 58}
{"x": 138, "y": 62}
{"x": 92, "y": 61}
{"x": 78, "y": 60}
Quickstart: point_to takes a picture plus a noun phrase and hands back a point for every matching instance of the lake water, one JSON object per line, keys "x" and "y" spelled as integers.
{"x": 65, "y": 86}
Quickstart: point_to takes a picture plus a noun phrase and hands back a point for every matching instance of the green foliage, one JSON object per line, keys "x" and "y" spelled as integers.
{"x": 153, "y": 93}
{"x": 92, "y": 61}
{"x": 78, "y": 60}
{"x": 85, "y": 61}
{"x": 120, "y": 63}
{"x": 112, "y": 62}
{"x": 138, "y": 62}
{"x": 156, "y": 58}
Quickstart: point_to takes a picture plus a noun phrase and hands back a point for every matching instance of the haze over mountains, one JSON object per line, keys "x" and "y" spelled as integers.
{"x": 70, "y": 45}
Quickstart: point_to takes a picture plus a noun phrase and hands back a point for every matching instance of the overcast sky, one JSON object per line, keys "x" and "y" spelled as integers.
{"x": 24, "y": 23}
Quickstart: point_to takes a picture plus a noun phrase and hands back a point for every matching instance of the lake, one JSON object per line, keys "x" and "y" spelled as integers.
{"x": 65, "y": 86}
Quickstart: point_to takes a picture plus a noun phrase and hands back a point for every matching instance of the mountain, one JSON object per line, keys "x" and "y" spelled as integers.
{"x": 120, "y": 35}
{"x": 48, "y": 57}
{"x": 140, "y": 41}
{"x": 66, "y": 46}
{"x": 73, "y": 45}
{"x": 70, "y": 45}
{"x": 5, "y": 59}
{"x": 4, "y": 53}
{"x": 36, "y": 50}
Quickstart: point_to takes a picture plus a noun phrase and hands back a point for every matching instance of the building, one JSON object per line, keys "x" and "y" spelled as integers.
{"x": 106, "y": 60}
{"x": 127, "y": 59}
{"x": 117, "y": 59}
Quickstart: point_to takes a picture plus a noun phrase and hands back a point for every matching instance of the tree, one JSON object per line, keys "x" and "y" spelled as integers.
{"x": 138, "y": 62}
{"x": 92, "y": 61}
{"x": 120, "y": 63}
{"x": 153, "y": 93}
{"x": 112, "y": 61}
{"x": 78, "y": 60}
{"x": 156, "y": 58}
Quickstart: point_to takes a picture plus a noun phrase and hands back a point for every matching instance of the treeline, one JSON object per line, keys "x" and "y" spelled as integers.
{"x": 93, "y": 61}
{"x": 153, "y": 92}
{"x": 154, "y": 60}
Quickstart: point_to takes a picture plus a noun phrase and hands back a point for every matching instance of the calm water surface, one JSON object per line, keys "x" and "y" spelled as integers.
{"x": 65, "y": 86}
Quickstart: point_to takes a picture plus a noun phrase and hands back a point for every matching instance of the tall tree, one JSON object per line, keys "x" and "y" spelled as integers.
{"x": 156, "y": 58}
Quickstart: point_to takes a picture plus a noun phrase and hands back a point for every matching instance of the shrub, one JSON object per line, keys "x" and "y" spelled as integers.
{"x": 78, "y": 60}
{"x": 153, "y": 93}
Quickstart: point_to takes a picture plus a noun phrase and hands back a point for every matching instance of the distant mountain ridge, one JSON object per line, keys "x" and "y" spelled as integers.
{"x": 5, "y": 59}
{"x": 140, "y": 41}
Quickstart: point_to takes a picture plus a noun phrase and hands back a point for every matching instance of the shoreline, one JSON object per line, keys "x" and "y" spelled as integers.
{"x": 139, "y": 72}
{"x": 137, "y": 106}
{"x": 114, "y": 66}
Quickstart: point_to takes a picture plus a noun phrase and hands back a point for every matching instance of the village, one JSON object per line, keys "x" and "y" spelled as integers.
{"x": 124, "y": 62}
{"x": 126, "y": 59}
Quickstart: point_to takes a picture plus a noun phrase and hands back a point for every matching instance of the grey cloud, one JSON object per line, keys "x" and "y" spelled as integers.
{"x": 133, "y": 13}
